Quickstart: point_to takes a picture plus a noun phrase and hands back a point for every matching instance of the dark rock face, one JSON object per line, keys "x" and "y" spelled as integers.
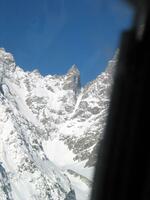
{"x": 5, "y": 187}
{"x": 1, "y": 89}
{"x": 70, "y": 196}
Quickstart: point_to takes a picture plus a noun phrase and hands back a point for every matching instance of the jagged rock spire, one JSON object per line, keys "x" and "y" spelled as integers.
{"x": 73, "y": 79}
{"x": 74, "y": 70}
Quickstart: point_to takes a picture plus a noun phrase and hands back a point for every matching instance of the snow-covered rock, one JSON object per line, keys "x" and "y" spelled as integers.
{"x": 50, "y": 129}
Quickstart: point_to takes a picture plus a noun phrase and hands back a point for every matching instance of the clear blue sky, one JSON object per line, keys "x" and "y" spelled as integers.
{"x": 51, "y": 35}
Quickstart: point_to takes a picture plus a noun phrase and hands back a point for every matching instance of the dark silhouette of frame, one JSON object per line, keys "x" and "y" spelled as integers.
{"x": 123, "y": 166}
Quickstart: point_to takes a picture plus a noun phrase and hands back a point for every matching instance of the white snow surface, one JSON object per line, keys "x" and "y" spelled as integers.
{"x": 49, "y": 125}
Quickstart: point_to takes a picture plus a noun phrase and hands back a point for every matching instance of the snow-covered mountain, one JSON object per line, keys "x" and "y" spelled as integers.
{"x": 50, "y": 128}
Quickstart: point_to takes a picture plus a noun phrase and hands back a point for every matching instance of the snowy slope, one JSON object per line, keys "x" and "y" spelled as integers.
{"x": 50, "y": 128}
{"x": 25, "y": 171}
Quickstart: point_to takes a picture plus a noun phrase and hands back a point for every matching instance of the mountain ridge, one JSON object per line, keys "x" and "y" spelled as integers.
{"x": 54, "y": 122}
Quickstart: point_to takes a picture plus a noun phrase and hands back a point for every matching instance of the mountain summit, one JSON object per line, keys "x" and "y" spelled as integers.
{"x": 74, "y": 70}
{"x": 7, "y": 64}
{"x": 72, "y": 81}
{"x": 49, "y": 132}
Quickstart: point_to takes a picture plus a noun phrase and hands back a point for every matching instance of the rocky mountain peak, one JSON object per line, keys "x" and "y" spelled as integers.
{"x": 110, "y": 69}
{"x": 73, "y": 79}
{"x": 2, "y": 49}
{"x": 74, "y": 71}
{"x": 8, "y": 57}
{"x": 7, "y": 64}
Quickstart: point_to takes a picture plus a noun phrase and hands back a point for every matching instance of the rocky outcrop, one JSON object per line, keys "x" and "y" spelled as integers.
{"x": 5, "y": 187}
{"x": 72, "y": 80}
